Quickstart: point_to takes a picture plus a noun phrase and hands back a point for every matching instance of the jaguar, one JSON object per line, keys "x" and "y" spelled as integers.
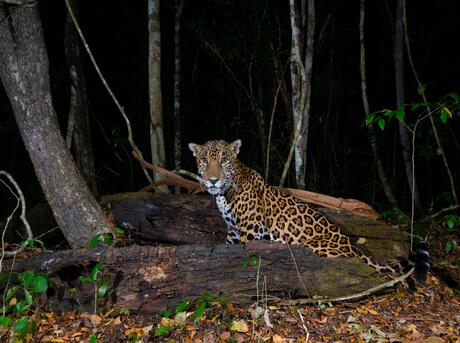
{"x": 254, "y": 210}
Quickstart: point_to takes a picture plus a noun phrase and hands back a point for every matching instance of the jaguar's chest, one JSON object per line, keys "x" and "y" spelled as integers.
{"x": 226, "y": 211}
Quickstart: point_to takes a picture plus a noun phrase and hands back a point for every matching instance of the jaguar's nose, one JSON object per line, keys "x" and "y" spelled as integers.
{"x": 213, "y": 180}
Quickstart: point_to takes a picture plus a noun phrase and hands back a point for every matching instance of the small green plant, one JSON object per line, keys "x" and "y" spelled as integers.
{"x": 100, "y": 288}
{"x": 19, "y": 299}
{"x": 100, "y": 285}
{"x": 107, "y": 238}
{"x": 250, "y": 259}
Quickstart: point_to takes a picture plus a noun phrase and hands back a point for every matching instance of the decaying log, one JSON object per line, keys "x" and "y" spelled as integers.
{"x": 184, "y": 219}
{"x": 351, "y": 205}
{"x": 167, "y": 218}
{"x": 148, "y": 279}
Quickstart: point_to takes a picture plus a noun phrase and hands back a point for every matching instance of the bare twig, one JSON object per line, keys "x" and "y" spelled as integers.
{"x": 298, "y": 271}
{"x": 447, "y": 209}
{"x": 21, "y": 200}
{"x": 422, "y": 93}
{"x": 307, "y": 333}
{"x": 172, "y": 178}
{"x": 355, "y": 296}
{"x": 107, "y": 87}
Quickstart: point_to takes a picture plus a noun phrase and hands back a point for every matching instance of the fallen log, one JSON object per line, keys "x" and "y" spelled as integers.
{"x": 167, "y": 218}
{"x": 186, "y": 219}
{"x": 148, "y": 279}
{"x": 350, "y": 205}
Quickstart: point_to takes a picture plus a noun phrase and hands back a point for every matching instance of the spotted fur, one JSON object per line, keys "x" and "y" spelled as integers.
{"x": 254, "y": 210}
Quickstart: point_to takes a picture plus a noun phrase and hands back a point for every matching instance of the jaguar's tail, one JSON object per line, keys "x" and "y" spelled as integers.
{"x": 419, "y": 259}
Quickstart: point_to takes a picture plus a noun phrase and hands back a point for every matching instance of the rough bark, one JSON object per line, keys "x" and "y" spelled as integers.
{"x": 24, "y": 73}
{"x": 184, "y": 219}
{"x": 371, "y": 128}
{"x": 405, "y": 140}
{"x": 78, "y": 111}
{"x": 301, "y": 87}
{"x": 167, "y": 218}
{"x": 148, "y": 279}
{"x": 157, "y": 143}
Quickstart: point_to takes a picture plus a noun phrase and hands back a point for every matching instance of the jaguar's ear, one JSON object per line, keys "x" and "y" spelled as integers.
{"x": 195, "y": 148}
{"x": 235, "y": 146}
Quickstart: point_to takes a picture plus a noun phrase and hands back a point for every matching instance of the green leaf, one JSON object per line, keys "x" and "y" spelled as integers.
{"x": 94, "y": 240}
{"x": 102, "y": 289}
{"x": 108, "y": 238}
{"x": 199, "y": 312}
{"x": 27, "y": 277}
{"x": 20, "y": 307}
{"x": 97, "y": 267}
{"x": 182, "y": 306}
{"x": 161, "y": 331}
{"x": 5, "y": 321}
{"x": 454, "y": 97}
{"x": 381, "y": 123}
{"x": 416, "y": 106}
{"x": 450, "y": 246}
{"x": 11, "y": 292}
{"x": 21, "y": 326}
{"x": 28, "y": 297}
{"x": 118, "y": 231}
{"x": 92, "y": 339}
{"x": 445, "y": 113}
{"x": 253, "y": 260}
{"x": 165, "y": 313}
{"x": 370, "y": 118}
{"x": 400, "y": 114}
{"x": 40, "y": 283}
{"x": 87, "y": 279}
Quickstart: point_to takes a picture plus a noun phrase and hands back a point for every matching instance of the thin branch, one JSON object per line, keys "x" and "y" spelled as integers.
{"x": 172, "y": 178}
{"x": 275, "y": 101}
{"x": 20, "y": 198}
{"x": 355, "y": 296}
{"x": 107, "y": 87}
{"x": 422, "y": 93}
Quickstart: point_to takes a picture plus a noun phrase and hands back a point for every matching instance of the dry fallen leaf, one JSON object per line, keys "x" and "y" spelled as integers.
{"x": 433, "y": 339}
{"x": 239, "y": 326}
{"x": 277, "y": 339}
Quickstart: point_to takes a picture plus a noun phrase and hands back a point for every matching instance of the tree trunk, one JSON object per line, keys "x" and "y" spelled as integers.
{"x": 301, "y": 87}
{"x": 148, "y": 279}
{"x": 78, "y": 122}
{"x": 25, "y": 77}
{"x": 157, "y": 143}
{"x": 372, "y": 137}
{"x": 177, "y": 85}
{"x": 400, "y": 100}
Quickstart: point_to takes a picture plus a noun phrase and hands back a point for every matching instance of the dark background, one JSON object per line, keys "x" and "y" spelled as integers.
{"x": 215, "y": 105}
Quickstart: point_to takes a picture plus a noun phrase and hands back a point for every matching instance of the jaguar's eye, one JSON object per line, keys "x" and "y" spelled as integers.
{"x": 203, "y": 160}
{"x": 224, "y": 159}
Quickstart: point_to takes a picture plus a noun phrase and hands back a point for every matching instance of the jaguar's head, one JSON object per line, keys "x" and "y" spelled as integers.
{"x": 216, "y": 162}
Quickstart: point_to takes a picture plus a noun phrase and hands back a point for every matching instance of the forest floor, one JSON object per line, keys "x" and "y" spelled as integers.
{"x": 430, "y": 313}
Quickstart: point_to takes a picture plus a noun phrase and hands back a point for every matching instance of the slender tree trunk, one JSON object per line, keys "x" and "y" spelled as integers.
{"x": 25, "y": 77}
{"x": 372, "y": 137}
{"x": 400, "y": 100}
{"x": 301, "y": 87}
{"x": 308, "y": 65}
{"x": 78, "y": 122}
{"x": 157, "y": 144}
{"x": 177, "y": 109}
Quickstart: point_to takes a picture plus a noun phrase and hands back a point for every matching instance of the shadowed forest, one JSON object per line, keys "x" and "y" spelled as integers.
{"x": 350, "y": 99}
